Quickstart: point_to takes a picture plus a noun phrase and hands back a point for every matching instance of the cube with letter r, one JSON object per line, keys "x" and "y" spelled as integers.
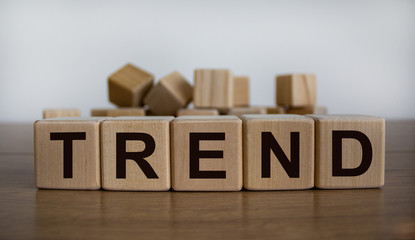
{"x": 135, "y": 153}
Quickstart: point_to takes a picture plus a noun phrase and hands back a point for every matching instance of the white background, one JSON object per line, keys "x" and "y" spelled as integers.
{"x": 59, "y": 53}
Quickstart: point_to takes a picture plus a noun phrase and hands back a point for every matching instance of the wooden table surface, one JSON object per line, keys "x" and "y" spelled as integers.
{"x": 29, "y": 213}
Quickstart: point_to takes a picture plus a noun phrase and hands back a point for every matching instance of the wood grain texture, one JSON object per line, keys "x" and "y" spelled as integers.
{"x": 351, "y": 155}
{"x": 276, "y": 110}
{"x": 18, "y": 137}
{"x": 171, "y": 93}
{"x": 118, "y": 112}
{"x": 100, "y": 112}
{"x": 230, "y": 147}
{"x": 308, "y": 110}
{"x": 135, "y": 179}
{"x": 239, "y": 111}
{"x": 61, "y": 112}
{"x": 197, "y": 112}
{"x": 241, "y": 91}
{"x": 213, "y": 88}
{"x": 49, "y": 154}
{"x": 124, "y": 112}
{"x": 29, "y": 213}
{"x": 282, "y": 127}
{"x": 128, "y": 86}
{"x": 296, "y": 90}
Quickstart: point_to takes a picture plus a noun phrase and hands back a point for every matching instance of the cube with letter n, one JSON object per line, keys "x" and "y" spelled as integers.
{"x": 206, "y": 153}
{"x": 278, "y": 152}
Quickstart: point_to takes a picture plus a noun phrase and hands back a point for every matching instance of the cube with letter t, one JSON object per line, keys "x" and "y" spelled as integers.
{"x": 350, "y": 151}
{"x": 206, "y": 153}
{"x": 67, "y": 153}
{"x": 136, "y": 153}
{"x": 278, "y": 152}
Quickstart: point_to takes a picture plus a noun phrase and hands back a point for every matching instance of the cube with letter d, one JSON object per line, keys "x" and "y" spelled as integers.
{"x": 206, "y": 153}
{"x": 350, "y": 151}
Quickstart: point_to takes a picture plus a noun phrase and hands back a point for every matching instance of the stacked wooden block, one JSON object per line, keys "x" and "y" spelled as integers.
{"x": 61, "y": 112}
{"x": 133, "y": 89}
{"x": 215, "y": 92}
{"x": 298, "y": 94}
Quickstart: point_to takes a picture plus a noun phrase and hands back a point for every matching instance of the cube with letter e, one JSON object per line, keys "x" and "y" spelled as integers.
{"x": 206, "y": 153}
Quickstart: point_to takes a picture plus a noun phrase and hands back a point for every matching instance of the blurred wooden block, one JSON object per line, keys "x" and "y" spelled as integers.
{"x": 307, "y": 110}
{"x": 118, "y": 112}
{"x": 247, "y": 110}
{"x": 213, "y": 88}
{"x": 241, "y": 91}
{"x": 125, "y": 112}
{"x": 61, "y": 112}
{"x": 206, "y": 153}
{"x": 136, "y": 153}
{"x": 100, "y": 112}
{"x": 276, "y": 110}
{"x": 128, "y": 86}
{"x": 170, "y": 94}
{"x": 350, "y": 151}
{"x": 67, "y": 153}
{"x": 197, "y": 112}
{"x": 296, "y": 90}
{"x": 278, "y": 152}
{"x": 149, "y": 113}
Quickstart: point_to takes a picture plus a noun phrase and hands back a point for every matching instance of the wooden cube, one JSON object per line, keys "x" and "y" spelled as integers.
{"x": 241, "y": 91}
{"x": 61, "y": 112}
{"x": 128, "y": 86}
{"x": 136, "y": 153}
{"x": 296, "y": 90}
{"x": 67, "y": 153}
{"x": 124, "y": 112}
{"x": 170, "y": 94}
{"x": 100, "y": 112}
{"x": 118, "y": 112}
{"x": 197, "y": 112}
{"x": 206, "y": 153}
{"x": 307, "y": 110}
{"x": 213, "y": 88}
{"x": 350, "y": 151}
{"x": 276, "y": 110}
{"x": 247, "y": 110}
{"x": 278, "y": 152}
